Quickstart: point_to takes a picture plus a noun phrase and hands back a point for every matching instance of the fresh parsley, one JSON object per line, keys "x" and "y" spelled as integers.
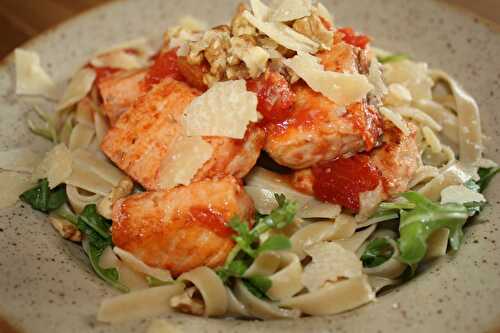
{"x": 393, "y": 58}
{"x": 378, "y": 251}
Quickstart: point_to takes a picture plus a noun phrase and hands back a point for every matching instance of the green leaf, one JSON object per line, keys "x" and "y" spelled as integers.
{"x": 378, "y": 251}
{"x": 258, "y": 286}
{"x": 89, "y": 220}
{"x": 485, "y": 177}
{"x": 235, "y": 268}
{"x": 472, "y": 185}
{"x": 393, "y": 58}
{"x": 275, "y": 243}
{"x": 154, "y": 282}
{"x": 42, "y": 198}
{"x": 418, "y": 224}
{"x": 65, "y": 212}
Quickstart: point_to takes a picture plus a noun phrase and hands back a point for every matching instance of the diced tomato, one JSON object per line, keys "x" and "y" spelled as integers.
{"x": 165, "y": 65}
{"x": 275, "y": 97}
{"x": 211, "y": 220}
{"x": 193, "y": 74}
{"x": 350, "y": 37}
{"x": 341, "y": 181}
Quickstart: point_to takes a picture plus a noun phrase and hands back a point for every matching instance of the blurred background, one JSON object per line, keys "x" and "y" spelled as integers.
{"x": 21, "y": 20}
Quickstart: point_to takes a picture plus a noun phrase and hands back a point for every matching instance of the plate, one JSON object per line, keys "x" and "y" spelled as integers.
{"x": 47, "y": 286}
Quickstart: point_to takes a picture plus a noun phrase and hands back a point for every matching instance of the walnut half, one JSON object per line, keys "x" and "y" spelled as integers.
{"x": 105, "y": 206}
{"x": 66, "y": 229}
{"x": 312, "y": 26}
{"x": 187, "y": 303}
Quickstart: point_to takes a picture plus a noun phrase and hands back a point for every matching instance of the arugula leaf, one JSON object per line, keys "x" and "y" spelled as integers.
{"x": 258, "y": 286}
{"x": 154, "y": 282}
{"x": 485, "y": 177}
{"x": 244, "y": 238}
{"x": 418, "y": 224}
{"x": 42, "y": 198}
{"x": 275, "y": 243}
{"x": 98, "y": 238}
{"x": 378, "y": 251}
{"x": 472, "y": 185}
{"x": 65, "y": 212}
{"x": 235, "y": 268}
{"x": 393, "y": 58}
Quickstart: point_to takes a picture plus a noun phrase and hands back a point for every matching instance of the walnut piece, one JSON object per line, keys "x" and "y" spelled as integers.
{"x": 240, "y": 25}
{"x": 105, "y": 206}
{"x": 66, "y": 229}
{"x": 187, "y": 303}
{"x": 312, "y": 26}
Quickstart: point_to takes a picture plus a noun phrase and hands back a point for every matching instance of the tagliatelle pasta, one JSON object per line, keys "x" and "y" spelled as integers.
{"x": 273, "y": 168}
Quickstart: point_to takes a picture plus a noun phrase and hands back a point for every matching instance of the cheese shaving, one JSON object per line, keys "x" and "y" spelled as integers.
{"x": 78, "y": 88}
{"x": 330, "y": 262}
{"x": 342, "y": 88}
{"x": 289, "y": 10}
{"x": 56, "y": 166}
{"x": 140, "y": 44}
{"x": 224, "y": 110}
{"x": 186, "y": 157}
{"x": 118, "y": 59}
{"x": 283, "y": 34}
{"x": 324, "y": 13}
{"x": 31, "y": 78}
{"x": 20, "y": 159}
{"x": 460, "y": 194}
{"x": 396, "y": 119}
{"x": 13, "y": 185}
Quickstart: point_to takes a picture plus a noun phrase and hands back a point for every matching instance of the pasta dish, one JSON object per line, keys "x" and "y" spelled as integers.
{"x": 276, "y": 166}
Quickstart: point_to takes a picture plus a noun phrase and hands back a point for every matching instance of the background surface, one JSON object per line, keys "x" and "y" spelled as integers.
{"x": 21, "y": 20}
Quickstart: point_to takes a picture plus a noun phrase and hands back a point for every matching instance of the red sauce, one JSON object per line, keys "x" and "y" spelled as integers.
{"x": 165, "y": 65}
{"x": 211, "y": 220}
{"x": 275, "y": 97}
{"x": 341, "y": 181}
{"x": 350, "y": 37}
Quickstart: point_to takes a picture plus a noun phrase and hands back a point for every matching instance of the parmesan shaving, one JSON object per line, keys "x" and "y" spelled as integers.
{"x": 224, "y": 110}
{"x": 289, "y": 10}
{"x": 283, "y": 34}
{"x": 396, "y": 119}
{"x": 56, "y": 166}
{"x": 31, "y": 78}
{"x": 118, "y": 59}
{"x": 13, "y": 185}
{"x": 186, "y": 157}
{"x": 324, "y": 13}
{"x": 140, "y": 44}
{"x": 20, "y": 159}
{"x": 192, "y": 23}
{"x": 341, "y": 88}
{"x": 330, "y": 262}
{"x": 460, "y": 194}
{"x": 414, "y": 76}
{"x": 78, "y": 88}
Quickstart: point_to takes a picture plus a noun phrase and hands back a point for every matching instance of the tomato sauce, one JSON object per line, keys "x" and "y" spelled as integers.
{"x": 102, "y": 73}
{"x": 350, "y": 37}
{"x": 367, "y": 122}
{"x": 341, "y": 181}
{"x": 211, "y": 220}
{"x": 275, "y": 97}
{"x": 165, "y": 64}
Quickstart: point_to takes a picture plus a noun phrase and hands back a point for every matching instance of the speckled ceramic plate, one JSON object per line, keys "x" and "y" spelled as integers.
{"x": 47, "y": 286}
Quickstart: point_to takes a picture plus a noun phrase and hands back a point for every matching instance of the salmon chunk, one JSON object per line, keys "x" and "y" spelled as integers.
{"x": 119, "y": 91}
{"x": 318, "y": 130}
{"x": 377, "y": 176}
{"x": 144, "y": 136}
{"x": 182, "y": 228}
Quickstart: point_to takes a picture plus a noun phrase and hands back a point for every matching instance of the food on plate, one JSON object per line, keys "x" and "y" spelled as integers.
{"x": 273, "y": 167}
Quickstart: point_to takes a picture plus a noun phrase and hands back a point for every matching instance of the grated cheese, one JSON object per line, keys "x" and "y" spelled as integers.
{"x": 224, "y": 110}
{"x": 330, "y": 262}
{"x": 78, "y": 88}
{"x": 342, "y": 88}
{"x": 460, "y": 194}
{"x": 283, "y": 34}
{"x": 187, "y": 156}
{"x": 289, "y": 10}
{"x": 31, "y": 78}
